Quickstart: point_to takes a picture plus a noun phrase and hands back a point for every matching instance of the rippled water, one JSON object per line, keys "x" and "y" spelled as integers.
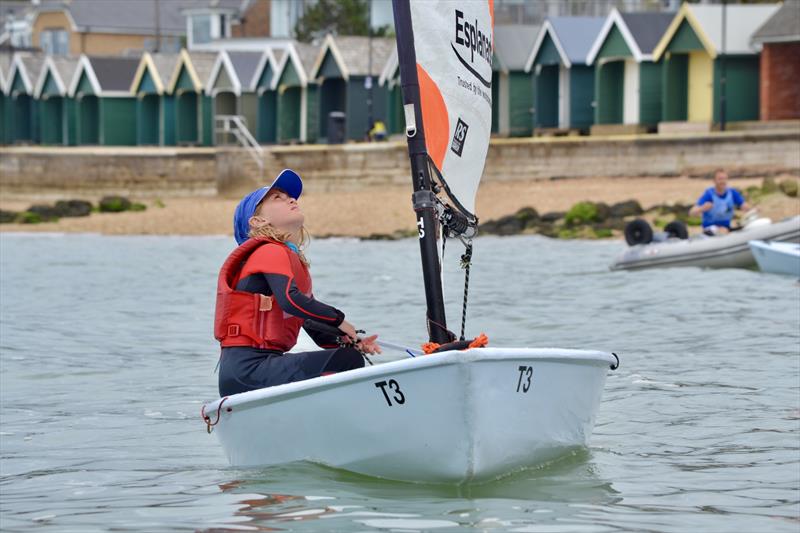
{"x": 106, "y": 356}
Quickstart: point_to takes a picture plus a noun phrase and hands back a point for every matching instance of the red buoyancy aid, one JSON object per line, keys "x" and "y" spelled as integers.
{"x": 241, "y": 318}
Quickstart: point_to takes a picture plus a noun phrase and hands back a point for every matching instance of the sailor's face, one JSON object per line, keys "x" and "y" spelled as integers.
{"x": 280, "y": 210}
{"x": 721, "y": 181}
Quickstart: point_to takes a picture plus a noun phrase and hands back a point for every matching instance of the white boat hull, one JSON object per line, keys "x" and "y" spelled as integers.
{"x": 449, "y": 417}
{"x": 724, "y": 251}
{"x": 777, "y": 257}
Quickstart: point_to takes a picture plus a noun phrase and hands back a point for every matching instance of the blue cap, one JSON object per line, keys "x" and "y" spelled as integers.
{"x": 288, "y": 180}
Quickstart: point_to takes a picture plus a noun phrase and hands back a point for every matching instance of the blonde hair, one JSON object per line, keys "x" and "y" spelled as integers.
{"x": 268, "y": 231}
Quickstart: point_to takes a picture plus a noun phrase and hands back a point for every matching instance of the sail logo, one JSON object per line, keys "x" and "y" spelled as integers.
{"x": 459, "y": 137}
{"x": 476, "y": 42}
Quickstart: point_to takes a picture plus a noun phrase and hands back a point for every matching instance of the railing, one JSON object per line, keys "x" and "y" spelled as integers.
{"x": 235, "y": 125}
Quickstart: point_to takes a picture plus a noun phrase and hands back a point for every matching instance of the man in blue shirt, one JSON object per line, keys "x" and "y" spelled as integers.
{"x": 717, "y": 205}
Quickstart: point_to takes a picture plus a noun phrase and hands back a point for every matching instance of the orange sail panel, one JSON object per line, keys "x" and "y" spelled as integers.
{"x": 453, "y": 42}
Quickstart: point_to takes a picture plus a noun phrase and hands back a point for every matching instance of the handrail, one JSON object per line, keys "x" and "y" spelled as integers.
{"x": 237, "y": 126}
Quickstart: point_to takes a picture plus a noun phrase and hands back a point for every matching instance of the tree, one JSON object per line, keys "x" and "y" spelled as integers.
{"x": 341, "y": 17}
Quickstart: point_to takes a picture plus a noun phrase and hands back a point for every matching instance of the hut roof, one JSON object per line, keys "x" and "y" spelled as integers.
{"x": 706, "y": 21}
{"x": 351, "y": 53}
{"x": 109, "y": 76}
{"x": 572, "y": 36}
{"x": 239, "y": 68}
{"x": 268, "y": 58}
{"x": 160, "y": 67}
{"x": 641, "y": 32}
{"x": 28, "y": 66}
{"x": 512, "y": 43}
{"x": 783, "y": 26}
{"x": 302, "y": 56}
{"x": 62, "y": 69}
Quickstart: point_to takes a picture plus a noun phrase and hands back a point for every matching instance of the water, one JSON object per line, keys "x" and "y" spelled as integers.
{"x": 107, "y": 356}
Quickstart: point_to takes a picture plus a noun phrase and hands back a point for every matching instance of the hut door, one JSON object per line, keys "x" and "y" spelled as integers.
{"x": 332, "y": 97}
{"x": 148, "y": 105}
{"x": 631, "y": 92}
{"x": 22, "y": 126}
{"x": 289, "y": 114}
{"x": 700, "y": 91}
{"x": 52, "y": 123}
{"x": 546, "y": 112}
{"x": 187, "y": 118}
{"x": 88, "y": 120}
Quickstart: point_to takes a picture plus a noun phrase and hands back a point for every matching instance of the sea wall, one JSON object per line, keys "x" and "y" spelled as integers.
{"x": 208, "y": 171}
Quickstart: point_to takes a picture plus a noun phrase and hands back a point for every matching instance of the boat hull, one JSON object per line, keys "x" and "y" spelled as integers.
{"x": 449, "y": 417}
{"x": 777, "y": 257}
{"x": 725, "y": 251}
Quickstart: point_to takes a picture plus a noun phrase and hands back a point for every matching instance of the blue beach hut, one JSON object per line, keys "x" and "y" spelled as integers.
{"x": 563, "y": 85}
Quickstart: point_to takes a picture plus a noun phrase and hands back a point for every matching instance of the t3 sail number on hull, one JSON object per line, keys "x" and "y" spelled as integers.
{"x": 524, "y": 381}
{"x": 391, "y": 387}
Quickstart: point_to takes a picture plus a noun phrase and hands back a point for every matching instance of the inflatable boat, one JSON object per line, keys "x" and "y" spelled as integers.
{"x": 730, "y": 250}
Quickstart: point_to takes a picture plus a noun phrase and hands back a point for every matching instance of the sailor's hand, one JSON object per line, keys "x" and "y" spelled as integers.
{"x": 348, "y": 329}
{"x": 368, "y": 345}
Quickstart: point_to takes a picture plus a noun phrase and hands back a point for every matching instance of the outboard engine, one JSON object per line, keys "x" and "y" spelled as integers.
{"x": 638, "y": 231}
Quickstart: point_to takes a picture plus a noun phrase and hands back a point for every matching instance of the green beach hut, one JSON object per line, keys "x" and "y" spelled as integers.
{"x": 347, "y": 69}
{"x": 23, "y": 120}
{"x": 563, "y": 87}
{"x": 229, "y": 85}
{"x": 155, "y": 106}
{"x": 298, "y": 102}
{"x": 512, "y": 85}
{"x": 267, "y": 114}
{"x": 194, "y": 116}
{"x": 627, "y": 80}
{"x": 104, "y": 106}
{"x": 695, "y": 57}
{"x": 390, "y": 81}
{"x": 57, "y": 125}
{"x": 2, "y": 105}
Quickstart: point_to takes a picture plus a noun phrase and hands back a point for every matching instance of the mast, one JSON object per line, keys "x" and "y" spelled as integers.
{"x": 423, "y": 199}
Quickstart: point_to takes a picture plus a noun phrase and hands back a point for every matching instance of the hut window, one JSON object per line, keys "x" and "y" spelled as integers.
{"x": 201, "y": 29}
{"x": 54, "y": 41}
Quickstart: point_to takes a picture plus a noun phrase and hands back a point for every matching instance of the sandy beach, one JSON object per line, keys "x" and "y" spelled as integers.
{"x": 385, "y": 209}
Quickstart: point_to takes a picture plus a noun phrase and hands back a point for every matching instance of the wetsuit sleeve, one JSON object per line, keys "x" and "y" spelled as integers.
{"x": 292, "y": 301}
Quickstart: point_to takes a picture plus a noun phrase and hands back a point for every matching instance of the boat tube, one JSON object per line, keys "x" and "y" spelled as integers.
{"x": 721, "y": 251}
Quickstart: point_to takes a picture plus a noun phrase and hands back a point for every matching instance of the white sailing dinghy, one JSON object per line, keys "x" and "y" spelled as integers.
{"x": 777, "y": 257}
{"x": 455, "y": 415}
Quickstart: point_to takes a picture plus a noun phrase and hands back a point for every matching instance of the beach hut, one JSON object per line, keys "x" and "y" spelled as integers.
{"x": 229, "y": 86}
{"x": 779, "y": 40}
{"x": 194, "y": 116}
{"x": 695, "y": 57}
{"x": 56, "y": 109}
{"x": 390, "y": 81}
{"x": 155, "y": 105}
{"x": 104, "y": 106}
{"x": 512, "y": 86}
{"x": 22, "y": 108}
{"x": 298, "y": 104}
{"x": 627, "y": 80}
{"x": 2, "y": 105}
{"x": 347, "y": 71}
{"x": 267, "y": 115}
{"x": 563, "y": 85}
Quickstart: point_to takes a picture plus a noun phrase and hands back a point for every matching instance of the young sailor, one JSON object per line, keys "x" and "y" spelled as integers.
{"x": 264, "y": 296}
{"x": 717, "y": 205}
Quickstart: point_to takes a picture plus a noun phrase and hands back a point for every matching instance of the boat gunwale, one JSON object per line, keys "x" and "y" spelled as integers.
{"x": 277, "y": 393}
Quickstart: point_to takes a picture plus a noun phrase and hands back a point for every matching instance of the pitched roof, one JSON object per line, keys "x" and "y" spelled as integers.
{"x": 160, "y": 67}
{"x": 573, "y": 37}
{"x": 28, "y": 66}
{"x": 706, "y": 21}
{"x": 302, "y": 56}
{"x": 239, "y": 67}
{"x": 245, "y": 64}
{"x": 352, "y": 54}
{"x": 269, "y": 58}
{"x": 61, "y": 69}
{"x": 641, "y": 32}
{"x": 512, "y": 42}
{"x": 198, "y": 65}
{"x": 137, "y": 17}
{"x": 783, "y": 26}
{"x": 109, "y": 76}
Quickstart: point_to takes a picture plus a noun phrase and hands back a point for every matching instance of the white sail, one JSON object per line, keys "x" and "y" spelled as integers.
{"x": 453, "y": 40}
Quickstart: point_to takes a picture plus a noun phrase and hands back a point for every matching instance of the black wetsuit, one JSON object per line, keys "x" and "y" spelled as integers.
{"x": 243, "y": 368}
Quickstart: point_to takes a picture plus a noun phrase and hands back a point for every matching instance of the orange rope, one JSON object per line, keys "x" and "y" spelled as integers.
{"x": 480, "y": 341}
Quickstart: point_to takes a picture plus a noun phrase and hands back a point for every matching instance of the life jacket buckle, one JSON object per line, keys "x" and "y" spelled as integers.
{"x": 233, "y": 330}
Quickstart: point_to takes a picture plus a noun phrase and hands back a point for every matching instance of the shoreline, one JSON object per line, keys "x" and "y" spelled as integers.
{"x": 384, "y": 210}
